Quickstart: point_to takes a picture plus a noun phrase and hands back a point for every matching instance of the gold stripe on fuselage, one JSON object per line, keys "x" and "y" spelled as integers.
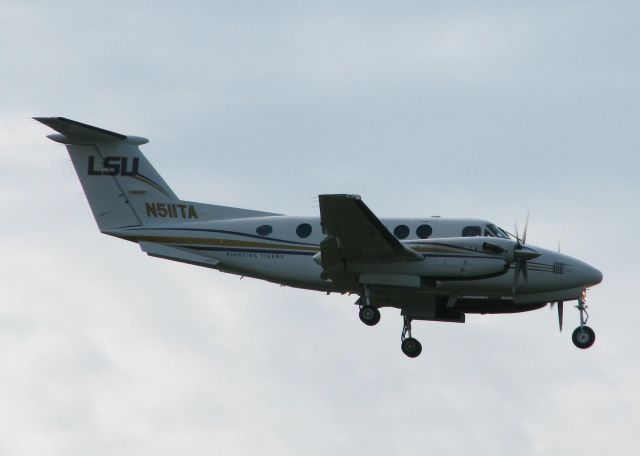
{"x": 232, "y": 243}
{"x": 224, "y": 243}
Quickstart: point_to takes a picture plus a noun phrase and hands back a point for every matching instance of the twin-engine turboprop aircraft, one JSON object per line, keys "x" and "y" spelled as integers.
{"x": 435, "y": 269}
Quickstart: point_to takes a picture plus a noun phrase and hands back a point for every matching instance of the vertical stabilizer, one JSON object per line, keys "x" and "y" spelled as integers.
{"x": 122, "y": 187}
{"x": 116, "y": 177}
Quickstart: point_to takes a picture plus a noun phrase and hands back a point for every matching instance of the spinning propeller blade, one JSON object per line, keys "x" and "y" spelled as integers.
{"x": 526, "y": 225}
{"x": 522, "y": 255}
{"x": 560, "y": 312}
{"x": 516, "y": 273}
{"x": 519, "y": 268}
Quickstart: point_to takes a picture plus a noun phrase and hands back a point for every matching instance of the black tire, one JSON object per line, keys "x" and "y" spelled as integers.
{"x": 583, "y": 337}
{"x": 369, "y": 315}
{"x": 411, "y": 347}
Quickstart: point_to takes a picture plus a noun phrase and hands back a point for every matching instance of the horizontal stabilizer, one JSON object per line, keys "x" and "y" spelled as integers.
{"x": 74, "y": 131}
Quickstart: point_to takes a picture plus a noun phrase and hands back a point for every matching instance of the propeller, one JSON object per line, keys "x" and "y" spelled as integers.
{"x": 519, "y": 267}
{"x": 524, "y": 234}
{"x": 522, "y": 254}
{"x": 560, "y": 312}
{"x": 560, "y": 304}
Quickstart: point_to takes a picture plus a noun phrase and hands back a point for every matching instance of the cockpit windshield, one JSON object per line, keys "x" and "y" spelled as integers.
{"x": 495, "y": 231}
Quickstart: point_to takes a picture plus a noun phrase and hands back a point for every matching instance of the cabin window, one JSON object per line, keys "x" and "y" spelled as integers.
{"x": 401, "y": 231}
{"x": 424, "y": 231}
{"x": 303, "y": 230}
{"x": 264, "y": 230}
{"x": 471, "y": 231}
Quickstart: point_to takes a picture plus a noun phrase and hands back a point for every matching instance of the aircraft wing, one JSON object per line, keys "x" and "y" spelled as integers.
{"x": 355, "y": 234}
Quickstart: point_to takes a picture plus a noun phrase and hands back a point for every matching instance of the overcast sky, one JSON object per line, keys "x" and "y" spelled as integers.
{"x": 478, "y": 109}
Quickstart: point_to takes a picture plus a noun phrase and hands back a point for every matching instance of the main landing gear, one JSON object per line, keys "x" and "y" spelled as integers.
{"x": 583, "y": 337}
{"x": 370, "y": 316}
{"x": 410, "y": 346}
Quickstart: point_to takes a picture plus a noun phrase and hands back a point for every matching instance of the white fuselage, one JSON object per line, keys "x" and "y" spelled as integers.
{"x": 277, "y": 249}
{"x": 431, "y": 269}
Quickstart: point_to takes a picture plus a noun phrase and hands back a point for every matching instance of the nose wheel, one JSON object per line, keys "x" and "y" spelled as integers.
{"x": 410, "y": 346}
{"x": 583, "y": 337}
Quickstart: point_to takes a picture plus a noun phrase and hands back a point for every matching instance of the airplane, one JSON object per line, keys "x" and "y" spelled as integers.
{"x": 430, "y": 268}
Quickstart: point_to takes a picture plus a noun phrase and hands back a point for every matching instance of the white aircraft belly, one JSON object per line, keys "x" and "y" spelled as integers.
{"x": 273, "y": 267}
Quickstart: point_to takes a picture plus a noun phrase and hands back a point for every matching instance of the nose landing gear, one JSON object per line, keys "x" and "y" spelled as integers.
{"x": 583, "y": 337}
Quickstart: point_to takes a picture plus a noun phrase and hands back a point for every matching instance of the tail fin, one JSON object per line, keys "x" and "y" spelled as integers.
{"x": 122, "y": 187}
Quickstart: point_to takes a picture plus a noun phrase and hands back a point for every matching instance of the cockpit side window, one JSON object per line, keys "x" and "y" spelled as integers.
{"x": 471, "y": 231}
{"x": 495, "y": 231}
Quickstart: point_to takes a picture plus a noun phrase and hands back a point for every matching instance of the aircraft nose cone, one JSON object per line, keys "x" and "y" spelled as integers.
{"x": 592, "y": 276}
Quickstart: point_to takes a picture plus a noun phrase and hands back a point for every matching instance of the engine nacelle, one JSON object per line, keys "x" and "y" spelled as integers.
{"x": 463, "y": 267}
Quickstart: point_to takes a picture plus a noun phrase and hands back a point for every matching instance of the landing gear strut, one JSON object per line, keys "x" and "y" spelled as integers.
{"x": 410, "y": 346}
{"x": 583, "y": 337}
